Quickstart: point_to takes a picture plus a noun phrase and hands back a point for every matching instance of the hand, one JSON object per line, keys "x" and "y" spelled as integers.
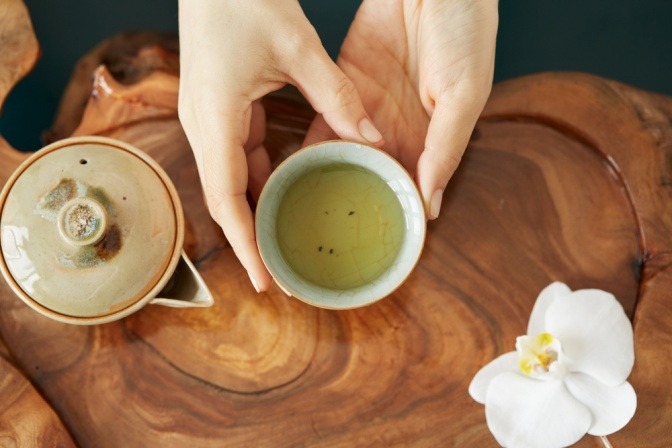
{"x": 233, "y": 53}
{"x": 424, "y": 70}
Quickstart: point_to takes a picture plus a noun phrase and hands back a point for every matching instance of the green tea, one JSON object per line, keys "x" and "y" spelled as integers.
{"x": 340, "y": 226}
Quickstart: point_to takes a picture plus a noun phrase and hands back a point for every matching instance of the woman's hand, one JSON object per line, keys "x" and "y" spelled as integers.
{"x": 233, "y": 53}
{"x": 424, "y": 70}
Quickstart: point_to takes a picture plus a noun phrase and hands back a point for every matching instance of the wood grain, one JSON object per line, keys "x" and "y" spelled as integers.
{"x": 26, "y": 420}
{"x": 19, "y": 51}
{"x": 566, "y": 178}
{"x": 123, "y": 59}
{"x": 632, "y": 131}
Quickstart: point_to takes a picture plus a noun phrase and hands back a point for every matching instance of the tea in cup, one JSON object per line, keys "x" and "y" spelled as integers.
{"x": 340, "y": 225}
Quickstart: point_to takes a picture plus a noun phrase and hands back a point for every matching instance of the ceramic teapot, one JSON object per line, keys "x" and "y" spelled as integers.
{"x": 92, "y": 230}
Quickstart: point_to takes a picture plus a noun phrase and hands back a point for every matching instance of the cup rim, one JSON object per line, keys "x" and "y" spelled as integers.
{"x": 174, "y": 256}
{"x": 265, "y": 257}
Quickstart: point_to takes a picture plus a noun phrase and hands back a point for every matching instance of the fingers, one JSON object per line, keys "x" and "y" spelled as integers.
{"x": 333, "y": 95}
{"x": 224, "y": 173}
{"x": 318, "y": 131}
{"x": 449, "y": 130}
{"x": 231, "y": 211}
{"x": 259, "y": 169}
{"x": 258, "y": 162}
{"x": 225, "y": 188}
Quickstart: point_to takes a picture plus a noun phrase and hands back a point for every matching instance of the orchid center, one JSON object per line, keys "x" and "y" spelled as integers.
{"x": 540, "y": 356}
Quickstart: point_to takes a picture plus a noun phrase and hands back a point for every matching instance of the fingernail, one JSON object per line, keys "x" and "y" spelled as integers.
{"x": 435, "y": 204}
{"x": 369, "y": 131}
{"x": 283, "y": 289}
{"x": 254, "y": 282}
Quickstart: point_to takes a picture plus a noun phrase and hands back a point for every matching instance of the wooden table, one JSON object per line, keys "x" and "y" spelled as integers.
{"x": 567, "y": 177}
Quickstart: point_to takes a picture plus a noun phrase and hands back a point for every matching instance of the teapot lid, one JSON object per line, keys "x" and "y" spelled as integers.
{"x": 89, "y": 226}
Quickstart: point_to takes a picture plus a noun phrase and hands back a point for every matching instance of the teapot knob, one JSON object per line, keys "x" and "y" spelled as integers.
{"x": 82, "y": 221}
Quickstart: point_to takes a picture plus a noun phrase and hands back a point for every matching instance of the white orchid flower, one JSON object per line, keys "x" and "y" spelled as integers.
{"x": 567, "y": 376}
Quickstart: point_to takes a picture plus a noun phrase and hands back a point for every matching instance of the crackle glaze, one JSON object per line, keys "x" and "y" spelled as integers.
{"x": 361, "y": 288}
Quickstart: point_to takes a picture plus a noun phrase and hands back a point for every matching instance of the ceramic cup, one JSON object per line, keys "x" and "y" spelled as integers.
{"x": 319, "y": 158}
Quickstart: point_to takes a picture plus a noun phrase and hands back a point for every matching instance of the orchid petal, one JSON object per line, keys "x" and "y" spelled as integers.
{"x": 537, "y": 322}
{"x": 523, "y": 412}
{"x": 611, "y": 407}
{"x": 596, "y": 334}
{"x": 478, "y": 388}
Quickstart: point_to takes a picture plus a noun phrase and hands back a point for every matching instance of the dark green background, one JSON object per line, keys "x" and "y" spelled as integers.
{"x": 627, "y": 40}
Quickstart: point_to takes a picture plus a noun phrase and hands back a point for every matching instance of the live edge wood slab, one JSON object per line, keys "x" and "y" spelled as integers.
{"x": 567, "y": 177}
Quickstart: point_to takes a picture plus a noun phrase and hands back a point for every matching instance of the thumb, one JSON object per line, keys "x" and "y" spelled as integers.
{"x": 333, "y": 95}
{"x": 447, "y": 136}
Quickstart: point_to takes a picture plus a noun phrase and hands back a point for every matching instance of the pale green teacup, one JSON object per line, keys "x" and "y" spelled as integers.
{"x": 340, "y": 225}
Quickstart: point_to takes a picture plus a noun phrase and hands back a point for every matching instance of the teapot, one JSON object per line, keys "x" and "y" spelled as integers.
{"x": 91, "y": 230}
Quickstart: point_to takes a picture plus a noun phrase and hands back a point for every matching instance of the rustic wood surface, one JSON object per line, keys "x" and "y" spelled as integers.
{"x": 567, "y": 177}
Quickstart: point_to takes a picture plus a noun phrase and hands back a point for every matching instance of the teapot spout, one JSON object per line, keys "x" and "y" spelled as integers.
{"x": 185, "y": 289}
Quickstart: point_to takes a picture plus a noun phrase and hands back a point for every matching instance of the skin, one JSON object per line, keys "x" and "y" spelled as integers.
{"x": 423, "y": 70}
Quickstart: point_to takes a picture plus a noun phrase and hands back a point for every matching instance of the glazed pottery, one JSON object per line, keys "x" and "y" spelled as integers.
{"x": 92, "y": 230}
{"x": 326, "y": 157}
